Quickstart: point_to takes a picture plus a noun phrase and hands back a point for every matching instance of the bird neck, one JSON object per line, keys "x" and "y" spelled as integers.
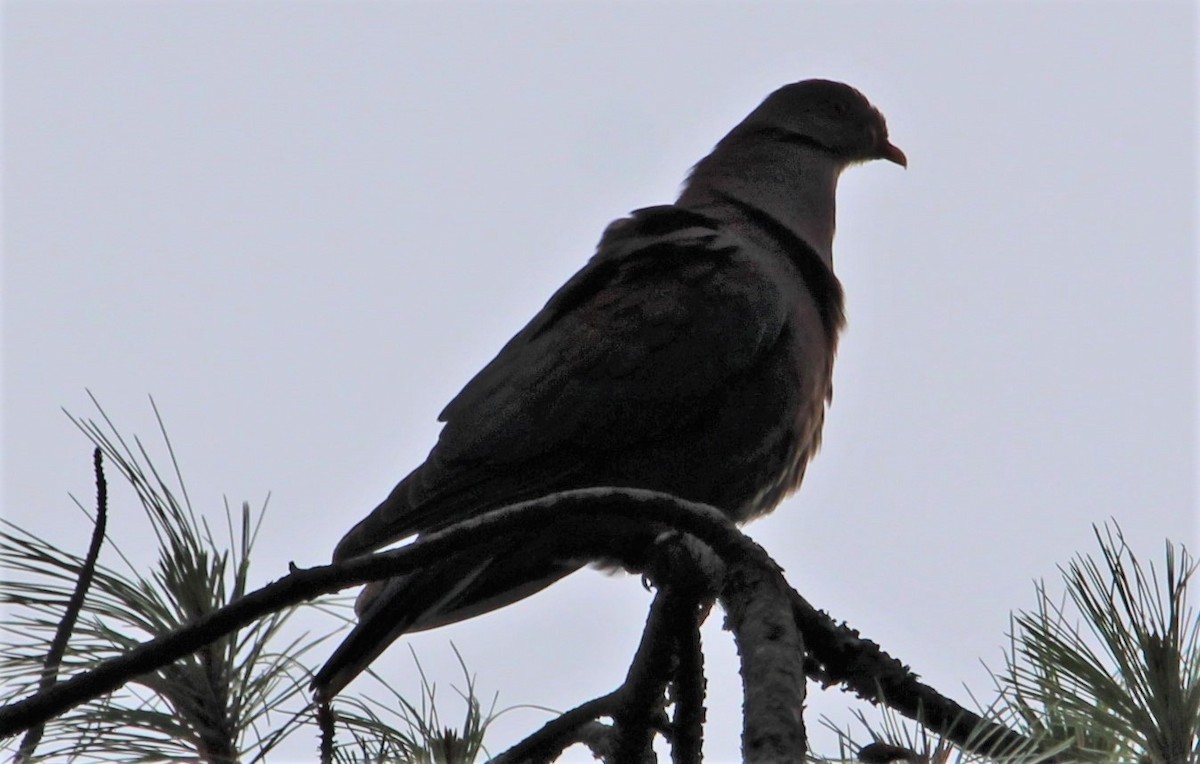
{"x": 792, "y": 183}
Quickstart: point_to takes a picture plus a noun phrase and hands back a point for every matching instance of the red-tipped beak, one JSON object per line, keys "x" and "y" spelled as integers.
{"x": 893, "y": 154}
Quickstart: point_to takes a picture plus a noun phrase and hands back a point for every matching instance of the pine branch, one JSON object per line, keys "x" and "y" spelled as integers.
{"x": 58, "y": 646}
{"x": 608, "y": 508}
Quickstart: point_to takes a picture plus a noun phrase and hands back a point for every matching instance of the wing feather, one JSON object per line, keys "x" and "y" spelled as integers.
{"x": 669, "y": 309}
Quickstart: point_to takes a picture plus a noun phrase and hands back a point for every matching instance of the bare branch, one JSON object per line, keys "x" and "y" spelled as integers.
{"x": 599, "y": 505}
{"x": 643, "y": 693}
{"x": 560, "y": 733}
{"x": 58, "y": 646}
{"x": 755, "y": 598}
{"x": 636, "y": 706}
{"x": 325, "y": 722}
{"x": 840, "y": 654}
{"x": 688, "y": 688}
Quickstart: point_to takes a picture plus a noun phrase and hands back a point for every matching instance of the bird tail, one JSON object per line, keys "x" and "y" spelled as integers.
{"x": 458, "y": 588}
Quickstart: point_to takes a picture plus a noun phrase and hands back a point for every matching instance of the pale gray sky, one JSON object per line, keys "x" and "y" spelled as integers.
{"x": 303, "y": 226}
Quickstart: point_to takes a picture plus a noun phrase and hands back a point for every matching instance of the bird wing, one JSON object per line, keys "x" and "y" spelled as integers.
{"x": 669, "y": 308}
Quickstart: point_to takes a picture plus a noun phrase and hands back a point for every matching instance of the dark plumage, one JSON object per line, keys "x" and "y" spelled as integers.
{"x": 693, "y": 355}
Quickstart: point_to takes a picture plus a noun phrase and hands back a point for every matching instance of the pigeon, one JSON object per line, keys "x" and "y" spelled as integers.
{"x": 692, "y": 355}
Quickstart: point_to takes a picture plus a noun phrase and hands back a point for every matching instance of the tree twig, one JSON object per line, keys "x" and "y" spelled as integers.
{"x": 694, "y": 577}
{"x": 62, "y": 635}
{"x": 841, "y": 655}
{"x": 635, "y": 705}
{"x": 688, "y": 688}
{"x": 755, "y": 598}
{"x": 325, "y": 723}
{"x": 559, "y": 733}
{"x": 612, "y": 505}
{"x": 643, "y": 692}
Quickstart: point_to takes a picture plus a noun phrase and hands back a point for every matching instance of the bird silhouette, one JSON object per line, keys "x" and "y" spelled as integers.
{"x": 692, "y": 355}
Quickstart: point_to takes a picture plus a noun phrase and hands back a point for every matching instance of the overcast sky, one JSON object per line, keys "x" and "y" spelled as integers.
{"x": 303, "y": 226}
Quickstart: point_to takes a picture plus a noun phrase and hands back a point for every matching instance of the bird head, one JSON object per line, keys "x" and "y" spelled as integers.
{"x": 824, "y": 115}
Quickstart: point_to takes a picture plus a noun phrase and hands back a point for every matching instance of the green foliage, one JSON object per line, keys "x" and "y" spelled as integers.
{"x": 418, "y": 735}
{"x": 217, "y": 705}
{"x": 234, "y": 700}
{"x": 1112, "y": 674}
{"x": 1125, "y": 686}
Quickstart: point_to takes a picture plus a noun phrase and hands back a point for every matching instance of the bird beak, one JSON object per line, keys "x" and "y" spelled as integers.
{"x": 893, "y": 154}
